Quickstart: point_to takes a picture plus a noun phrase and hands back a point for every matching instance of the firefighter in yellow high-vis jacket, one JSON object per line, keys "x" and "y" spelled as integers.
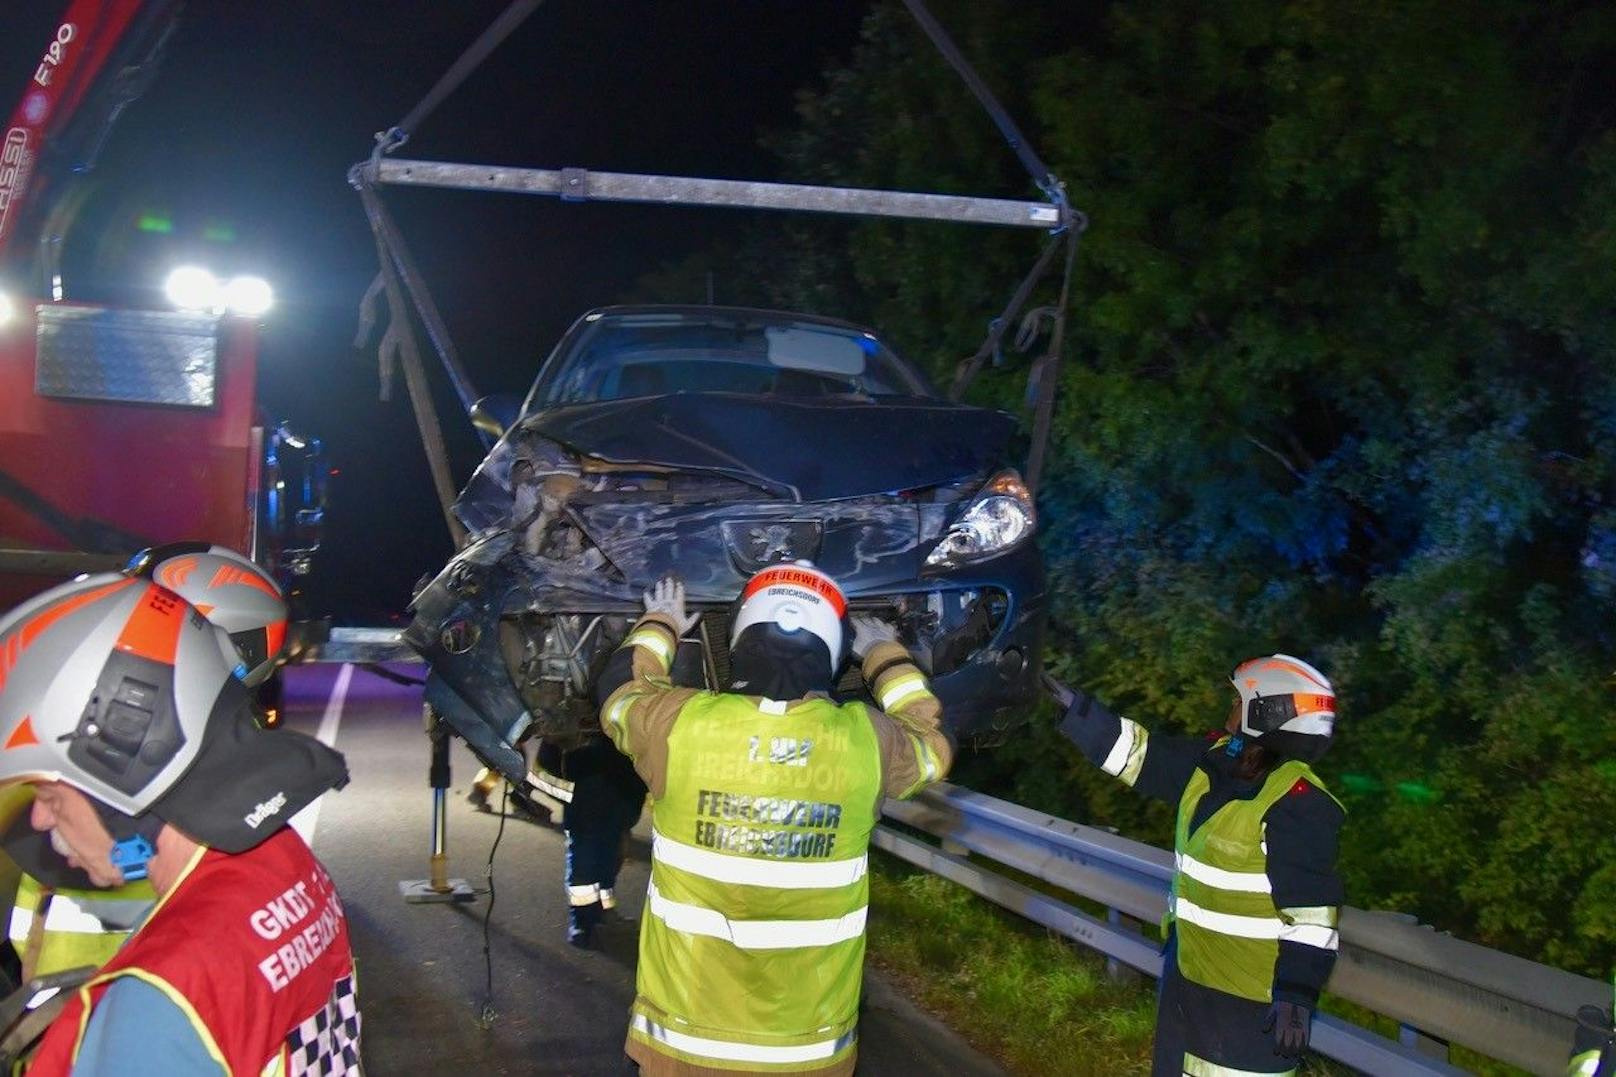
{"x": 1252, "y": 916}
{"x": 763, "y": 799}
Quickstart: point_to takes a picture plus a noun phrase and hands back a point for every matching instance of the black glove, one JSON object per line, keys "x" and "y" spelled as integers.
{"x": 1078, "y": 705}
{"x": 1291, "y": 1023}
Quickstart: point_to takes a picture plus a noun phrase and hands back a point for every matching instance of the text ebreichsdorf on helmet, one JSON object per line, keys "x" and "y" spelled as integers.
{"x": 236, "y": 596}
{"x": 1286, "y": 705}
{"x": 797, "y": 604}
{"x": 118, "y": 687}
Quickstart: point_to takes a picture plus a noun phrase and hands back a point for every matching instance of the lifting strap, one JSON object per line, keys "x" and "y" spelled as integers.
{"x": 399, "y": 345}
{"x": 487, "y": 42}
{"x": 1046, "y": 372}
{"x": 399, "y": 275}
{"x": 1053, "y": 189}
{"x": 1045, "y": 376}
{"x": 970, "y": 368}
{"x": 415, "y": 285}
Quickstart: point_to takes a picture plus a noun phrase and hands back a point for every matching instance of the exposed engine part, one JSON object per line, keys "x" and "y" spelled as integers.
{"x": 554, "y": 660}
{"x": 977, "y": 622}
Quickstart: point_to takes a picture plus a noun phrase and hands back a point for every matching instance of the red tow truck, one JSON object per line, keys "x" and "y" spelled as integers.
{"x": 122, "y": 428}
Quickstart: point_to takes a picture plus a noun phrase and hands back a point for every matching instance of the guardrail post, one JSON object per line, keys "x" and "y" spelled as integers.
{"x": 954, "y": 848}
{"x": 1114, "y": 969}
{"x": 1423, "y": 1042}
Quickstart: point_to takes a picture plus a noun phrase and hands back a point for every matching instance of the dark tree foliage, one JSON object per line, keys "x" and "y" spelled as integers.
{"x": 1341, "y": 382}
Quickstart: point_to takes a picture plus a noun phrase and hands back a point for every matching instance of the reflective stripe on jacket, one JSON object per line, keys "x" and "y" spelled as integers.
{"x": 81, "y": 927}
{"x": 1229, "y": 928}
{"x": 1195, "y": 1066}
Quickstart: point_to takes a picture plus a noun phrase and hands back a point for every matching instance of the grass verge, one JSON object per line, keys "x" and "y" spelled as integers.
{"x": 1014, "y": 990}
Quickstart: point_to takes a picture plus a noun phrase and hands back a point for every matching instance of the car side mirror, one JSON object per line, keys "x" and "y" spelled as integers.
{"x": 496, "y": 413}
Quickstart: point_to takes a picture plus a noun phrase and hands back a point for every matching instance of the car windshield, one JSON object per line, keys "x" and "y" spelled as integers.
{"x": 617, "y": 356}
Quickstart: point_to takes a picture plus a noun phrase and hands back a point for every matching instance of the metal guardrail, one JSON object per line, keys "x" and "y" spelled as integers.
{"x": 1438, "y": 988}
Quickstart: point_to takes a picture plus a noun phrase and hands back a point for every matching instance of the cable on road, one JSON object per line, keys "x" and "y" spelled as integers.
{"x": 485, "y": 1019}
{"x": 387, "y": 674}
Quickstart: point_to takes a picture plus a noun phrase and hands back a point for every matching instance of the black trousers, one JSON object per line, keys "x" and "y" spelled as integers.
{"x": 607, "y": 798}
{"x": 1211, "y": 1025}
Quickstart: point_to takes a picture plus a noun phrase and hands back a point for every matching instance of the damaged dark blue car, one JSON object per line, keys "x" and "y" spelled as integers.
{"x": 710, "y": 442}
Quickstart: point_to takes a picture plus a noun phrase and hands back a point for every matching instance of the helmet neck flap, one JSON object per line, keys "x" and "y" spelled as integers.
{"x": 775, "y": 664}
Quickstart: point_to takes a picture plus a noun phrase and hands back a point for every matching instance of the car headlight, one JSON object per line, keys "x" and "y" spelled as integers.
{"x": 1001, "y": 516}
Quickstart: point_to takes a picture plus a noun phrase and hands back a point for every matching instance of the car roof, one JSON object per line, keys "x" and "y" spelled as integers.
{"x": 706, "y": 310}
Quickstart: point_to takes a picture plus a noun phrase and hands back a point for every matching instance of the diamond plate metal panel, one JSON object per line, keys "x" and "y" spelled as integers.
{"x": 135, "y": 356}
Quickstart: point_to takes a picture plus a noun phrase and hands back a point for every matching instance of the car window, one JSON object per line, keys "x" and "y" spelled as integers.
{"x": 630, "y": 355}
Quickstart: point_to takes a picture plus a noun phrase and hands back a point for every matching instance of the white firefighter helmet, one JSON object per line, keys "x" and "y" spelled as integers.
{"x": 1285, "y": 704}
{"x": 236, "y": 596}
{"x": 118, "y": 687}
{"x": 793, "y": 599}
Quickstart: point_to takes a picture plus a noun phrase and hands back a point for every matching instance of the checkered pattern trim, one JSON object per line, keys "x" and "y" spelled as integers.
{"x": 328, "y": 1043}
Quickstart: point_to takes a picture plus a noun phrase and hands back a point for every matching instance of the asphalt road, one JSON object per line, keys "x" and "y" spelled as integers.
{"x": 421, "y": 971}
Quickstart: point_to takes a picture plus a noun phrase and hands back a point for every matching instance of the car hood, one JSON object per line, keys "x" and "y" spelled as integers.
{"x": 817, "y": 450}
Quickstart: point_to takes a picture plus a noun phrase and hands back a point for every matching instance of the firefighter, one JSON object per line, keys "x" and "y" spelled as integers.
{"x": 146, "y": 760}
{"x": 59, "y": 919}
{"x": 763, "y": 798}
{"x": 602, "y": 798}
{"x": 1252, "y": 919}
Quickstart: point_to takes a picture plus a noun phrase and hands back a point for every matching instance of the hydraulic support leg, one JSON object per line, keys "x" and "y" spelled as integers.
{"x": 438, "y": 887}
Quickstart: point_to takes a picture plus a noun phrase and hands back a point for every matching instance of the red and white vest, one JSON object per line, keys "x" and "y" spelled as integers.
{"x": 254, "y": 948}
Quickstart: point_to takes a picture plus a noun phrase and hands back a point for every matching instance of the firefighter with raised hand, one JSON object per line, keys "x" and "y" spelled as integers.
{"x": 1252, "y": 917}
{"x": 763, "y": 799}
{"x": 120, "y": 708}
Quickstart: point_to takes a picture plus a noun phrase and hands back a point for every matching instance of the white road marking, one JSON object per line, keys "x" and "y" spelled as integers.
{"x": 306, "y": 820}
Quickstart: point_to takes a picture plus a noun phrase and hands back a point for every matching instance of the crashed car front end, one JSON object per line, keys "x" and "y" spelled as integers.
{"x": 520, "y": 622}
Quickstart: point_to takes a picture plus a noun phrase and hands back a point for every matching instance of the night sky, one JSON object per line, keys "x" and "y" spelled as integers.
{"x": 257, "y": 115}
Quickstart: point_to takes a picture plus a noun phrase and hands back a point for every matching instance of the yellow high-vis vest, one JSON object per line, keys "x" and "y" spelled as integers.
{"x": 79, "y": 927}
{"x": 752, "y": 947}
{"x": 1228, "y": 925}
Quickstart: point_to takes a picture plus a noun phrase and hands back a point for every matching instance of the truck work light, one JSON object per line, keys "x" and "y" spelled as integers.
{"x": 195, "y": 288}
{"x": 250, "y": 297}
